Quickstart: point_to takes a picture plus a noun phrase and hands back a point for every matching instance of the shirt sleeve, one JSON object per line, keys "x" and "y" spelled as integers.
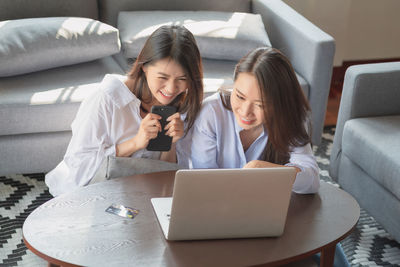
{"x": 89, "y": 146}
{"x": 307, "y": 180}
{"x": 183, "y": 148}
{"x": 204, "y": 141}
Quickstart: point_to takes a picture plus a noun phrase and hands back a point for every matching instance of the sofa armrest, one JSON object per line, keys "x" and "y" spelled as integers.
{"x": 369, "y": 90}
{"x": 309, "y": 49}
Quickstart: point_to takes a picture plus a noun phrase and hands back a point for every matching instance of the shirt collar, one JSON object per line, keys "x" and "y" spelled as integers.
{"x": 117, "y": 89}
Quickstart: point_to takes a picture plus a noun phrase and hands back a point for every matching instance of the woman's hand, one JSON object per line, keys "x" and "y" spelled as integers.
{"x": 175, "y": 127}
{"x": 265, "y": 164}
{"x": 260, "y": 164}
{"x": 149, "y": 128}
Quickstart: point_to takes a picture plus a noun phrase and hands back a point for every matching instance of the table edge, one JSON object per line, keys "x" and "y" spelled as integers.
{"x": 46, "y": 257}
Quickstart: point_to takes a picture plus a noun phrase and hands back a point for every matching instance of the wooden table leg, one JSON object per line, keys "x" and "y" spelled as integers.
{"x": 327, "y": 256}
{"x": 52, "y": 265}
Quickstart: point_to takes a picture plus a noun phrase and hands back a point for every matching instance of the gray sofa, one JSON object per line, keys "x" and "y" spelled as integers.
{"x": 39, "y": 101}
{"x": 365, "y": 157}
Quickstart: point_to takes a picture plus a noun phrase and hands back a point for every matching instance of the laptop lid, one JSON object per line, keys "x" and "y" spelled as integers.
{"x": 227, "y": 203}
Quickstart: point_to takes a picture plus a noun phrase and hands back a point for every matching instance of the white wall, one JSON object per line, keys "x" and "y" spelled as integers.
{"x": 363, "y": 29}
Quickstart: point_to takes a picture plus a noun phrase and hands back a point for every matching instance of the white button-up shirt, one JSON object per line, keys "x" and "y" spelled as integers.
{"x": 216, "y": 143}
{"x": 107, "y": 118}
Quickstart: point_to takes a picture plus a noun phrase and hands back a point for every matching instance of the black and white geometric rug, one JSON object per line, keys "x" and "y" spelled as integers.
{"x": 19, "y": 196}
{"x": 368, "y": 245}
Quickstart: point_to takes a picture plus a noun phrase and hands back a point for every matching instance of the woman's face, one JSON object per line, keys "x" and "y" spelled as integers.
{"x": 166, "y": 80}
{"x": 246, "y": 101}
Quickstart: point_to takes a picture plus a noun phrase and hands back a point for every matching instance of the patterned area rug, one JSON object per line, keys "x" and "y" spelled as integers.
{"x": 368, "y": 245}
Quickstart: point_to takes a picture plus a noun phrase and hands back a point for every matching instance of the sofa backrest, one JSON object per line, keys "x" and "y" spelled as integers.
{"x": 19, "y": 9}
{"x": 109, "y": 9}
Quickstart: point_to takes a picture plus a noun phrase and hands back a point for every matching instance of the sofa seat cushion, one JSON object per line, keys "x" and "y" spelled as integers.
{"x": 47, "y": 101}
{"x": 219, "y": 35}
{"x": 219, "y": 73}
{"x": 29, "y": 45}
{"x": 374, "y": 145}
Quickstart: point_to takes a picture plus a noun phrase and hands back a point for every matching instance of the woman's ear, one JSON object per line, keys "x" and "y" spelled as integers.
{"x": 144, "y": 68}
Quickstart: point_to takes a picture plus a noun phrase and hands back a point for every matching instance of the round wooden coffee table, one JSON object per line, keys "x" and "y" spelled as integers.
{"x": 74, "y": 229}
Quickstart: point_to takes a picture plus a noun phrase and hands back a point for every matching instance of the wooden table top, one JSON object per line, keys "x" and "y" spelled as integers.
{"x": 74, "y": 228}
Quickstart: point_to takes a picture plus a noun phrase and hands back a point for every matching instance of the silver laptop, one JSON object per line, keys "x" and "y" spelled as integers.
{"x": 226, "y": 203}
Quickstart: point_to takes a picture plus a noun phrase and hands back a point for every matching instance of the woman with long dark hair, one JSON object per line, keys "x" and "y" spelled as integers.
{"x": 117, "y": 120}
{"x": 262, "y": 122}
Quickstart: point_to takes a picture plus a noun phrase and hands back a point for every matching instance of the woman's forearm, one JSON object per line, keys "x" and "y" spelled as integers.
{"x": 170, "y": 155}
{"x": 265, "y": 164}
{"x": 127, "y": 148}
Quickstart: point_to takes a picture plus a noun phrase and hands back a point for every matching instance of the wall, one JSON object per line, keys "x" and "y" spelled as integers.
{"x": 363, "y": 29}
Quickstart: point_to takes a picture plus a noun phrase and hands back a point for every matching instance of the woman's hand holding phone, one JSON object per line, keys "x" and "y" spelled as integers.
{"x": 149, "y": 128}
{"x": 149, "y": 135}
{"x": 174, "y": 128}
{"x": 170, "y": 123}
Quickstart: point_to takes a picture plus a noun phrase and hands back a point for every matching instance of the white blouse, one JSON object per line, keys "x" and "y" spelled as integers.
{"x": 107, "y": 118}
{"x": 216, "y": 144}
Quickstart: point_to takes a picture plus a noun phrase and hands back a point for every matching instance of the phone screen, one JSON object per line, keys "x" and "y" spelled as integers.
{"x": 162, "y": 142}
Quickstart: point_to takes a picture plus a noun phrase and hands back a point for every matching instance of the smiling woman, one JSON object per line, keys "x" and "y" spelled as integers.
{"x": 261, "y": 123}
{"x": 166, "y": 80}
{"x": 246, "y": 102}
{"x": 115, "y": 121}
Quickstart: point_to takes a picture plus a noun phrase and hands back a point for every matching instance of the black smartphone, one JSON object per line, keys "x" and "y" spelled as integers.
{"x": 162, "y": 142}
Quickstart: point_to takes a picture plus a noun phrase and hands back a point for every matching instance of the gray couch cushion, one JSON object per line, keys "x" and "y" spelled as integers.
{"x": 219, "y": 35}
{"x": 115, "y": 167}
{"x": 32, "y": 153}
{"x": 29, "y": 45}
{"x": 19, "y": 9}
{"x": 373, "y": 144}
{"x": 109, "y": 9}
{"x": 47, "y": 101}
{"x": 374, "y": 198}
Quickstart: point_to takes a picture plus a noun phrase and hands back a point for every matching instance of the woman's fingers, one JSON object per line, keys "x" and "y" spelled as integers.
{"x": 174, "y": 119}
{"x": 152, "y": 121}
{"x": 174, "y": 128}
{"x": 152, "y": 116}
{"x": 176, "y": 125}
{"x": 174, "y": 116}
{"x": 150, "y": 126}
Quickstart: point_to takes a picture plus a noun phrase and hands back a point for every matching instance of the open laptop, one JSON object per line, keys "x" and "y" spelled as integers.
{"x": 226, "y": 203}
